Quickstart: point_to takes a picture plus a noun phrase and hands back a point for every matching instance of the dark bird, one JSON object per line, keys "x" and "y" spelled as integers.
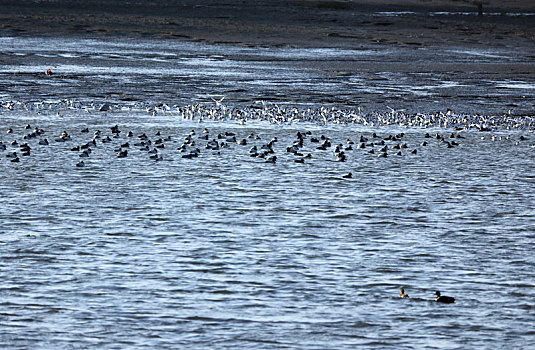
{"x": 443, "y": 299}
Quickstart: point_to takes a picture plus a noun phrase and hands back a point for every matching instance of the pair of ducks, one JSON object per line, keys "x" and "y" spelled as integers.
{"x": 439, "y": 298}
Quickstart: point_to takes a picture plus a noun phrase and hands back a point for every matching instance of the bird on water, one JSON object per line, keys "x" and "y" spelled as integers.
{"x": 402, "y": 294}
{"x": 443, "y": 299}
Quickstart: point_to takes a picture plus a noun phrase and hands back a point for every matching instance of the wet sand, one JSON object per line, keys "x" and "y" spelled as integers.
{"x": 416, "y": 25}
{"x": 290, "y": 23}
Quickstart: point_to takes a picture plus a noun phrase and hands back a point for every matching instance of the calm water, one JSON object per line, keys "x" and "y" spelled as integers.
{"x": 227, "y": 251}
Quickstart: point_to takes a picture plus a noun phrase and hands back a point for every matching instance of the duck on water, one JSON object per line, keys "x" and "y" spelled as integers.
{"x": 443, "y": 298}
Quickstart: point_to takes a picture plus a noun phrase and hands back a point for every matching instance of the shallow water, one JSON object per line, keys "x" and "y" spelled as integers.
{"x": 175, "y": 72}
{"x": 227, "y": 251}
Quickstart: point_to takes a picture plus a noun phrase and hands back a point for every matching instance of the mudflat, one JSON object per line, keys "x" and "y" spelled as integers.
{"x": 410, "y": 27}
{"x": 275, "y": 22}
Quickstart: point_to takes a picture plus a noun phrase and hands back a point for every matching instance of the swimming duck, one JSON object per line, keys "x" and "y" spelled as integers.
{"x": 402, "y": 294}
{"x": 271, "y": 159}
{"x": 347, "y": 176}
{"x": 443, "y": 299}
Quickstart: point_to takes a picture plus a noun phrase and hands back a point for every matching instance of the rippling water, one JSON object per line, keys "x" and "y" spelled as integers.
{"x": 227, "y": 251}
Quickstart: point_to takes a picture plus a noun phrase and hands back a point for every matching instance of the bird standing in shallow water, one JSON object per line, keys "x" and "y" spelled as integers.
{"x": 443, "y": 299}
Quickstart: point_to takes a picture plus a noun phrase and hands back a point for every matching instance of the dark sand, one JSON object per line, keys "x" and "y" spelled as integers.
{"x": 341, "y": 24}
{"x": 275, "y": 22}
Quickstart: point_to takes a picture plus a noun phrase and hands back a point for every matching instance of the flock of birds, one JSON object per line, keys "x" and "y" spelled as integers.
{"x": 439, "y": 298}
{"x": 305, "y": 146}
{"x": 196, "y": 143}
{"x": 273, "y": 113}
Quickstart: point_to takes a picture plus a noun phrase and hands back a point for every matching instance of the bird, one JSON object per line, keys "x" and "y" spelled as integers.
{"x": 402, "y": 294}
{"x": 443, "y": 299}
{"x": 271, "y": 159}
{"x": 347, "y": 176}
{"x": 217, "y": 102}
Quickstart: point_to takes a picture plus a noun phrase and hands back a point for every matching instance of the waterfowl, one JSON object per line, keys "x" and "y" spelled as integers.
{"x": 402, "y": 294}
{"x": 443, "y": 299}
{"x": 347, "y": 176}
{"x": 80, "y": 164}
{"x": 341, "y": 157}
{"x": 115, "y": 129}
{"x": 271, "y": 159}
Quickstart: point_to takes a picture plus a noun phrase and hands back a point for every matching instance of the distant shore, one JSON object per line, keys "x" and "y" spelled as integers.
{"x": 275, "y": 23}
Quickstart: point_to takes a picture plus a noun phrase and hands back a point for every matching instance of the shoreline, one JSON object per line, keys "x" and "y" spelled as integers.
{"x": 425, "y": 49}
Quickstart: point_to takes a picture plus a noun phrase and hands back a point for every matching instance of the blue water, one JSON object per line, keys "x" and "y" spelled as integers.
{"x": 228, "y": 251}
